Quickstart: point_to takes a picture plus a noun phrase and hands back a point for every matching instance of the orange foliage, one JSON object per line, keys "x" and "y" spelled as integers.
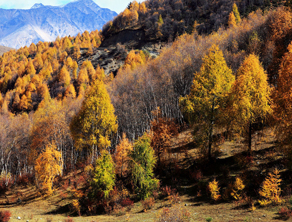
{"x": 121, "y": 157}
{"x": 163, "y": 129}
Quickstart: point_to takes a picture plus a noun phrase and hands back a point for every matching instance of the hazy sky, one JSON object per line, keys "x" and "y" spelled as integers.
{"x": 115, "y": 5}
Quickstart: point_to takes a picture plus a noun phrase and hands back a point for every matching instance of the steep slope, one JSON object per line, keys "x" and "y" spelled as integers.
{"x": 164, "y": 20}
{"x": 4, "y": 49}
{"x": 44, "y": 23}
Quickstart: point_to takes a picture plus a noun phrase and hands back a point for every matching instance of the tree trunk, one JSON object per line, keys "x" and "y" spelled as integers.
{"x": 211, "y": 131}
{"x": 249, "y": 138}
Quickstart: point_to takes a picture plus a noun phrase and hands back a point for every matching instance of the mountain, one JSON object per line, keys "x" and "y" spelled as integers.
{"x": 21, "y": 27}
{"x": 4, "y": 49}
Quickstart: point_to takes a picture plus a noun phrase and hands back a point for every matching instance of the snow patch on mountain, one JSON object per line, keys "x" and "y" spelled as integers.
{"x": 19, "y": 28}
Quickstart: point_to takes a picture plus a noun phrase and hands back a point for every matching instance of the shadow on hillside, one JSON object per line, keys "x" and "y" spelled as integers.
{"x": 191, "y": 176}
{"x": 60, "y": 210}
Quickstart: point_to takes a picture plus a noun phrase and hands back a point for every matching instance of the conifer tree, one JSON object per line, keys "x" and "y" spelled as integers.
{"x": 236, "y": 13}
{"x": 271, "y": 189}
{"x": 142, "y": 162}
{"x": 70, "y": 92}
{"x": 75, "y": 67}
{"x": 231, "y": 20}
{"x": 93, "y": 126}
{"x": 30, "y": 70}
{"x": 47, "y": 166}
{"x": 104, "y": 174}
{"x": 250, "y": 96}
{"x": 121, "y": 156}
{"x": 64, "y": 76}
{"x": 282, "y": 101}
{"x": 203, "y": 106}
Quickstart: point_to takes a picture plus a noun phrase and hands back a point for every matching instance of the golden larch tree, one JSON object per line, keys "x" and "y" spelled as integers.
{"x": 203, "y": 106}
{"x": 95, "y": 123}
{"x": 64, "y": 76}
{"x": 236, "y": 13}
{"x": 250, "y": 96}
{"x": 231, "y": 20}
{"x": 47, "y": 166}
{"x": 121, "y": 156}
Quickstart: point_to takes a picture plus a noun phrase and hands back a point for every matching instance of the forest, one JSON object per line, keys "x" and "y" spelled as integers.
{"x": 106, "y": 143}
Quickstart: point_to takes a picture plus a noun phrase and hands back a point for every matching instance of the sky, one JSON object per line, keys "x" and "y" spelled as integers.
{"x": 115, "y": 5}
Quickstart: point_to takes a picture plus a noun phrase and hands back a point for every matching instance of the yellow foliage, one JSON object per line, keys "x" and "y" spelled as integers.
{"x": 47, "y": 166}
{"x": 271, "y": 190}
{"x": 64, "y": 76}
{"x": 133, "y": 59}
{"x": 237, "y": 189}
{"x": 70, "y": 92}
{"x": 95, "y": 123}
{"x": 76, "y": 206}
{"x": 251, "y": 91}
{"x": 214, "y": 189}
{"x": 83, "y": 76}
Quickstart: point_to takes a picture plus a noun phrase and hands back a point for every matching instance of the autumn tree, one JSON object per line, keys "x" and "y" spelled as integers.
{"x": 83, "y": 77}
{"x": 142, "y": 163}
{"x": 51, "y": 126}
{"x": 99, "y": 74}
{"x": 64, "y": 76}
{"x": 76, "y": 52}
{"x": 236, "y": 13}
{"x": 104, "y": 174}
{"x": 47, "y": 166}
{"x": 70, "y": 92}
{"x": 74, "y": 69}
{"x": 121, "y": 156}
{"x": 231, "y": 20}
{"x": 203, "y": 106}
{"x": 142, "y": 8}
{"x": 95, "y": 123}
{"x": 90, "y": 50}
{"x": 38, "y": 62}
{"x": 30, "y": 70}
{"x": 282, "y": 100}
{"x": 162, "y": 129}
{"x": 133, "y": 59}
{"x": 249, "y": 96}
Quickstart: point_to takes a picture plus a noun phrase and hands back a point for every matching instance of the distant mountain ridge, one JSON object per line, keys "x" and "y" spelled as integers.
{"x": 21, "y": 27}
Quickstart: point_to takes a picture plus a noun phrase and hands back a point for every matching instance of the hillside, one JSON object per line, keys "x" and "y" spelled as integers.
{"x": 166, "y": 20}
{"x": 192, "y": 200}
{"x": 46, "y": 23}
{"x": 125, "y": 124}
{"x": 4, "y": 49}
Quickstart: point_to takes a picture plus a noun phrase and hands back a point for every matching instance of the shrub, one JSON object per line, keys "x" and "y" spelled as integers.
{"x": 174, "y": 214}
{"x": 5, "y": 215}
{"x": 76, "y": 206}
{"x": 148, "y": 203}
{"x": 171, "y": 194}
{"x": 209, "y": 219}
{"x": 214, "y": 190}
{"x": 237, "y": 189}
{"x": 285, "y": 213}
{"x": 127, "y": 202}
{"x": 271, "y": 189}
